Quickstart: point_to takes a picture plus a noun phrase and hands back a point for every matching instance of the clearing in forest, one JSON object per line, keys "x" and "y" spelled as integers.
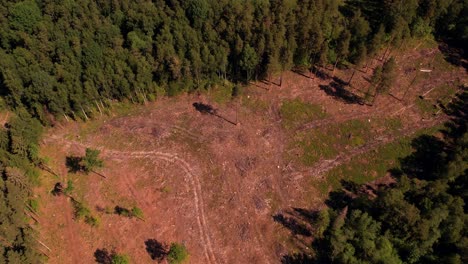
{"x": 228, "y": 192}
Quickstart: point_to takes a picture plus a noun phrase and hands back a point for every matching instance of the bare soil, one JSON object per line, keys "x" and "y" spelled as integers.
{"x": 204, "y": 182}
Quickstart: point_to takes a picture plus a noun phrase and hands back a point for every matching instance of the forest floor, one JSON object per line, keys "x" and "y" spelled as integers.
{"x": 235, "y": 193}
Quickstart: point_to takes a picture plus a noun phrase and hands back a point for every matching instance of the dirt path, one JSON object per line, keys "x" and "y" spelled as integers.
{"x": 67, "y": 214}
{"x": 190, "y": 177}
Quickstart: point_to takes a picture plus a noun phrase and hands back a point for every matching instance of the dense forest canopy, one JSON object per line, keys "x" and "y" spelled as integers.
{"x": 62, "y": 57}
{"x": 65, "y": 58}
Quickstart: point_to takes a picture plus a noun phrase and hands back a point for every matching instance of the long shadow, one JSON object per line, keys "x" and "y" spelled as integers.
{"x": 458, "y": 112}
{"x": 337, "y": 91}
{"x": 428, "y": 161}
{"x": 156, "y": 249}
{"x": 338, "y": 200}
{"x": 208, "y": 109}
{"x": 454, "y": 55}
{"x": 301, "y": 73}
{"x": 321, "y": 74}
{"x": 292, "y": 224}
{"x": 306, "y": 215}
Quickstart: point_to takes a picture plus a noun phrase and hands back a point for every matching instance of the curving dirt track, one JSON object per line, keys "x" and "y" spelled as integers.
{"x": 235, "y": 178}
{"x": 191, "y": 177}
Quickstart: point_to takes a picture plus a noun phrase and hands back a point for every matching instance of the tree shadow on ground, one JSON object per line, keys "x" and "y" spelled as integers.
{"x": 337, "y": 91}
{"x": 209, "y": 109}
{"x": 297, "y": 259}
{"x": 204, "y": 108}
{"x": 155, "y": 249}
{"x": 292, "y": 224}
{"x": 298, "y": 72}
{"x": 103, "y": 256}
{"x": 454, "y": 55}
{"x": 73, "y": 163}
{"x": 428, "y": 160}
{"x": 458, "y": 112}
{"x": 321, "y": 74}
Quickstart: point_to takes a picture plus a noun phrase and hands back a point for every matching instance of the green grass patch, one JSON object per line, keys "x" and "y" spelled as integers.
{"x": 254, "y": 104}
{"x": 221, "y": 93}
{"x": 426, "y": 107}
{"x": 369, "y": 166}
{"x": 440, "y": 95}
{"x": 327, "y": 142}
{"x": 34, "y": 204}
{"x": 392, "y": 124}
{"x": 295, "y": 113}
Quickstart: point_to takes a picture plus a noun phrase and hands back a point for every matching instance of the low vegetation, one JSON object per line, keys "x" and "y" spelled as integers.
{"x": 133, "y": 212}
{"x": 295, "y": 113}
{"x": 88, "y": 163}
{"x": 177, "y": 254}
{"x": 82, "y": 212}
{"x": 418, "y": 219}
{"x": 70, "y": 61}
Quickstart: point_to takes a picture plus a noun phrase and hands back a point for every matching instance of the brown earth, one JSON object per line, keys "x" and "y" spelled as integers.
{"x": 204, "y": 182}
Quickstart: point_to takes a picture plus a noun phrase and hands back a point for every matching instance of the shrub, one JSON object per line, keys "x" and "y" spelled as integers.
{"x": 137, "y": 212}
{"x": 177, "y": 254}
{"x": 120, "y": 259}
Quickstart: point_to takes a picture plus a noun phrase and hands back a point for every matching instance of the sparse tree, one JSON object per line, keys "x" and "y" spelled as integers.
{"x": 91, "y": 160}
{"x": 177, "y": 254}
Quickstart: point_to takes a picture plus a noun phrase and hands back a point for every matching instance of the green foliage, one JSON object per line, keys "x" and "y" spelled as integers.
{"x": 133, "y": 212}
{"x": 384, "y": 76}
{"x": 60, "y": 59}
{"x": 388, "y": 75}
{"x": 25, "y": 16}
{"x": 18, "y": 150}
{"x": 325, "y": 143}
{"x": 34, "y": 204}
{"x": 295, "y": 113}
{"x": 321, "y": 223}
{"x": 137, "y": 212}
{"x": 91, "y": 160}
{"x": 248, "y": 60}
{"x": 419, "y": 219}
{"x": 65, "y": 64}
{"x": 120, "y": 259}
{"x": 177, "y": 254}
{"x": 82, "y": 212}
{"x": 70, "y": 187}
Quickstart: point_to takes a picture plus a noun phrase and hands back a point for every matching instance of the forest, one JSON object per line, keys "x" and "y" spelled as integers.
{"x": 66, "y": 59}
{"x": 421, "y": 218}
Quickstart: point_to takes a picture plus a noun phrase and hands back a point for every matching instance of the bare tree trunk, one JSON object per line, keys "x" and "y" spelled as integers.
{"x": 98, "y": 174}
{"x": 281, "y": 79}
{"x": 99, "y": 108}
{"x": 334, "y": 67}
{"x": 102, "y": 104}
{"x": 367, "y": 64}
{"x": 349, "y": 82}
{"x": 84, "y": 113}
{"x": 407, "y": 89}
{"x": 375, "y": 97}
{"x": 383, "y": 57}
{"x": 312, "y": 67}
